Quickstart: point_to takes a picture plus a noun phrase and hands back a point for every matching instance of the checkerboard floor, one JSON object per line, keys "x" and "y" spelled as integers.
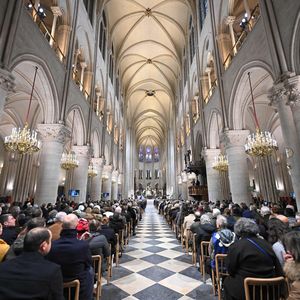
{"x": 154, "y": 266}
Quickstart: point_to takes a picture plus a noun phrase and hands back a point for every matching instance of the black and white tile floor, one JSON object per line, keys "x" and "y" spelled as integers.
{"x": 154, "y": 266}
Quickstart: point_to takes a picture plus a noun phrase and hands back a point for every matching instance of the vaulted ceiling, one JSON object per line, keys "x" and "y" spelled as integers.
{"x": 148, "y": 38}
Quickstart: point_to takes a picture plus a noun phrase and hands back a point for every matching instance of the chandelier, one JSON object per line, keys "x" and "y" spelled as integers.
{"x": 69, "y": 160}
{"x": 23, "y": 140}
{"x": 221, "y": 163}
{"x": 91, "y": 171}
{"x": 260, "y": 143}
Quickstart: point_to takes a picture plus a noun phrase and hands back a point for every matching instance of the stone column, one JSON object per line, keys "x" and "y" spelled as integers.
{"x": 56, "y": 13}
{"x": 80, "y": 174}
{"x": 224, "y": 45}
{"x": 213, "y": 176}
{"x": 6, "y": 85}
{"x": 87, "y": 82}
{"x": 77, "y": 52}
{"x": 114, "y": 189}
{"x": 106, "y": 181}
{"x": 53, "y": 139}
{"x": 237, "y": 159}
{"x": 292, "y": 86}
{"x": 229, "y": 21}
{"x": 279, "y": 98}
{"x": 97, "y": 180}
{"x": 63, "y": 38}
{"x": 8, "y": 173}
{"x": 83, "y": 65}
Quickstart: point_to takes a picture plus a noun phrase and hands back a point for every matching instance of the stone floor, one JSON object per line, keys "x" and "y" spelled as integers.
{"x": 154, "y": 266}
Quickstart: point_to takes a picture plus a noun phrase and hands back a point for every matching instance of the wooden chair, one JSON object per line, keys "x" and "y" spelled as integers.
{"x": 194, "y": 250}
{"x": 109, "y": 265}
{"x": 72, "y": 288}
{"x": 204, "y": 255}
{"x": 97, "y": 265}
{"x": 219, "y": 273}
{"x": 117, "y": 249}
{"x": 126, "y": 236}
{"x": 182, "y": 236}
{"x": 264, "y": 288}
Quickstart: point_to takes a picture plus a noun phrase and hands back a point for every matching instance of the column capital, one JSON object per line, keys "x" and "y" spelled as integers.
{"x": 210, "y": 153}
{"x": 83, "y": 64}
{"x": 56, "y": 10}
{"x": 53, "y": 132}
{"x": 276, "y": 94}
{"x": 7, "y": 80}
{"x": 108, "y": 169}
{"x": 98, "y": 162}
{"x": 84, "y": 151}
{"x": 292, "y": 92}
{"x": 229, "y": 20}
{"x": 234, "y": 138}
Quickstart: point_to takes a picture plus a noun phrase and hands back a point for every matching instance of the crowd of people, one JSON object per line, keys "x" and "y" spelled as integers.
{"x": 261, "y": 241}
{"x": 42, "y": 247}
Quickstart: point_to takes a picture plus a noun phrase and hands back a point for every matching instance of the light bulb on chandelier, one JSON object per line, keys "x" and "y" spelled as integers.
{"x": 69, "y": 160}
{"x": 23, "y": 140}
{"x": 260, "y": 143}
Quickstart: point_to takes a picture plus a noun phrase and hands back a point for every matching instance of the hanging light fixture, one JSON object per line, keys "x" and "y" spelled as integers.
{"x": 24, "y": 140}
{"x": 221, "y": 163}
{"x": 260, "y": 143}
{"x": 69, "y": 160}
{"x": 91, "y": 171}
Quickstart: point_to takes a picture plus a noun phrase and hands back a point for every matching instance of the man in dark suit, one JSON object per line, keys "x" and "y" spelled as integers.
{"x": 30, "y": 276}
{"x": 74, "y": 257}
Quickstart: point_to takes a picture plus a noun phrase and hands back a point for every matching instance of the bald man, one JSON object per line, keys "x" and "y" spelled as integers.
{"x": 29, "y": 275}
{"x": 74, "y": 257}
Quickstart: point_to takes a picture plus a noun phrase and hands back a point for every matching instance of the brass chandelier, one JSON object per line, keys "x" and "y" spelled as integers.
{"x": 24, "y": 140}
{"x": 69, "y": 160}
{"x": 221, "y": 163}
{"x": 91, "y": 171}
{"x": 260, "y": 143}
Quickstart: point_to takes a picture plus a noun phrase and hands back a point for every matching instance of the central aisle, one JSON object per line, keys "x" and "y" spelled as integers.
{"x": 154, "y": 266}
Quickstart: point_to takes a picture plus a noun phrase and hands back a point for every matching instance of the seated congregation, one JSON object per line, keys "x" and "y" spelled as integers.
{"x": 44, "y": 250}
{"x": 249, "y": 252}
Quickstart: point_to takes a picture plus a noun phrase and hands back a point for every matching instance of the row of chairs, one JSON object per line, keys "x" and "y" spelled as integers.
{"x": 255, "y": 288}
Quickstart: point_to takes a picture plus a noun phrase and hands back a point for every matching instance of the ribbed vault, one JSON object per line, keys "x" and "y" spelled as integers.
{"x": 148, "y": 38}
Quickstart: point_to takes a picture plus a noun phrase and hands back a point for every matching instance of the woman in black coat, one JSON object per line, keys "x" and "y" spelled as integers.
{"x": 250, "y": 256}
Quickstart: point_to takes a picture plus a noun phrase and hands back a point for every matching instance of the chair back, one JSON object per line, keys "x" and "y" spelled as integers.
{"x": 194, "y": 250}
{"x": 221, "y": 272}
{"x": 264, "y": 288}
{"x": 204, "y": 255}
{"x": 71, "y": 289}
{"x": 117, "y": 249}
{"x": 97, "y": 265}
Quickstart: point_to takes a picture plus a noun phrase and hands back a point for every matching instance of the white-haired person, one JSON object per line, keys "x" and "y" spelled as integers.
{"x": 250, "y": 256}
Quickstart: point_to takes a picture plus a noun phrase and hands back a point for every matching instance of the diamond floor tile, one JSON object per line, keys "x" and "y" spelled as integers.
{"x": 154, "y": 266}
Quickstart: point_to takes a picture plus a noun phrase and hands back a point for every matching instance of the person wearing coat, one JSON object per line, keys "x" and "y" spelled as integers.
{"x": 250, "y": 256}
{"x": 30, "y": 275}
{"x": 74, "y": 257}
{"x": 291, "y": 242}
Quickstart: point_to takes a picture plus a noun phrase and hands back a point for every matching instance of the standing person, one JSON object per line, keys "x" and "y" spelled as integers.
{"x": 291, "y": 242}
{"x": 30, "y": 276}
{"x": 74, "y": 257}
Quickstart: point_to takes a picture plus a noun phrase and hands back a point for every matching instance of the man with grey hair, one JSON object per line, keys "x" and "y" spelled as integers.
{"x": 57, "y": 226}
{"x": 250, "y": 256}
{"x": 74, "y": 257}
